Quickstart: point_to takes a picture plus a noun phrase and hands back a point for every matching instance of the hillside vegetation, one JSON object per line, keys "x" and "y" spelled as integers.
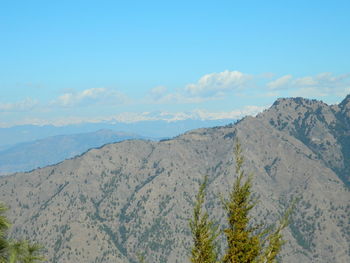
{"x": 112, "y": 203}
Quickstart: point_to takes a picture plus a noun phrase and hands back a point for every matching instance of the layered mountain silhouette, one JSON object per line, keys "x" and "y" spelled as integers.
{"x": 148, "y": 129}
{"x": 27, "y": 156}
{"x": 135, "y": 197}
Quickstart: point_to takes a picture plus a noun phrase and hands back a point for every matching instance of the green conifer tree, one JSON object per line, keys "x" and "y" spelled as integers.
{"x": 247, "y": 243}
{"x": 242, "y": 245}
{"x": 204, "y": 233}
{"x": 4, "y": 226}
{"x": 13, "y": 251}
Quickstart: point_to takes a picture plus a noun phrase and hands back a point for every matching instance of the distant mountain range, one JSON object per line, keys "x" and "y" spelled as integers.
{"x": 30, "y": 155}
{"x": 148, "y": 129}
{"x": 135, "y": 197}
{"x": 17, "y": 154}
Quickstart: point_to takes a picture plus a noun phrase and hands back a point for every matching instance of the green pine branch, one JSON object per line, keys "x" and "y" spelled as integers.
{"x": 13, "y": 251}
{"x": 246, "y": 242}
{"x": 204, "y": 233}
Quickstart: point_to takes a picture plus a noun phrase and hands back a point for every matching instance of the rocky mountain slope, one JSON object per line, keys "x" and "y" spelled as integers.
{"x": 324, "y": 130}
{"x": 30, "y": 155}
{"x": 135, "y": 197}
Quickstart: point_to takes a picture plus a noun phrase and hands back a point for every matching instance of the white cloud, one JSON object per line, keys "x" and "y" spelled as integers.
{"x": 213, "y": 86}
{"x": 158, "y": 91}
{"x": 23, "y": 105}
{"x": 180, "y": 98}
{"x": 66, "y": 99}
{"x": 280, "y": 82}
{"x": 210, "y": 87}
{"x": 92, "y": 93}
{"x": 160, "y": 95}
{"x": 90, "y": 96}
{"x": 305, "y": 81}
{"x": 320, "y": 85}
{"x": 217, "y": 84}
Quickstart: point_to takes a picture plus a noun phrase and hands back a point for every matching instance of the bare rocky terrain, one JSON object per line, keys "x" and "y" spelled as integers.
{"x": 135, "y": 197}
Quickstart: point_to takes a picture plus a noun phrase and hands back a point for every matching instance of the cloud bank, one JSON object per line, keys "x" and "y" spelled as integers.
{"x": 90, "y": 96}
{"x": 320, "y": 85}
{"x": 231, "y": 91}
{"x": 217, "y": 84}
{"x": 23, "y": 105}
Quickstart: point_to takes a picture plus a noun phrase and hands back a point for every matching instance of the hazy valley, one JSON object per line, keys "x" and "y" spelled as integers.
{"x": 27, "y": 147}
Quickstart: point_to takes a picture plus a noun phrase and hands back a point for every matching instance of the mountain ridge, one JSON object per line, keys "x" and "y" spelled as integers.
{"x": 323, "y": 128}
{"x": 39, "y": 153}
{"x": 149, "y": 129}
{"x": 109, "y": 204}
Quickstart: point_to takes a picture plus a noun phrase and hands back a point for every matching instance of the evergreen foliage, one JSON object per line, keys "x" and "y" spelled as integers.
{"x": 13, "y": 251}
{"x": 246, "y": 242}
{"x": 203, "y": 231}
{"x": 4, "y": 226}
{"x": 242, "y": 245}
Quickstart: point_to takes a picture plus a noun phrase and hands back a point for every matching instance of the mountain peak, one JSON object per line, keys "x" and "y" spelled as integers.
{"x": 296, "y": 101}
{"x": 345, "y": 103}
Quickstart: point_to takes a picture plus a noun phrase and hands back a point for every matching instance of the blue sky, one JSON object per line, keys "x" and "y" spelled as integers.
{"x": 79, "y": 61}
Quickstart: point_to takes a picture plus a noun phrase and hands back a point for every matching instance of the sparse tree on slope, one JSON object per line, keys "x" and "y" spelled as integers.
{"x": 275, "y": 239}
